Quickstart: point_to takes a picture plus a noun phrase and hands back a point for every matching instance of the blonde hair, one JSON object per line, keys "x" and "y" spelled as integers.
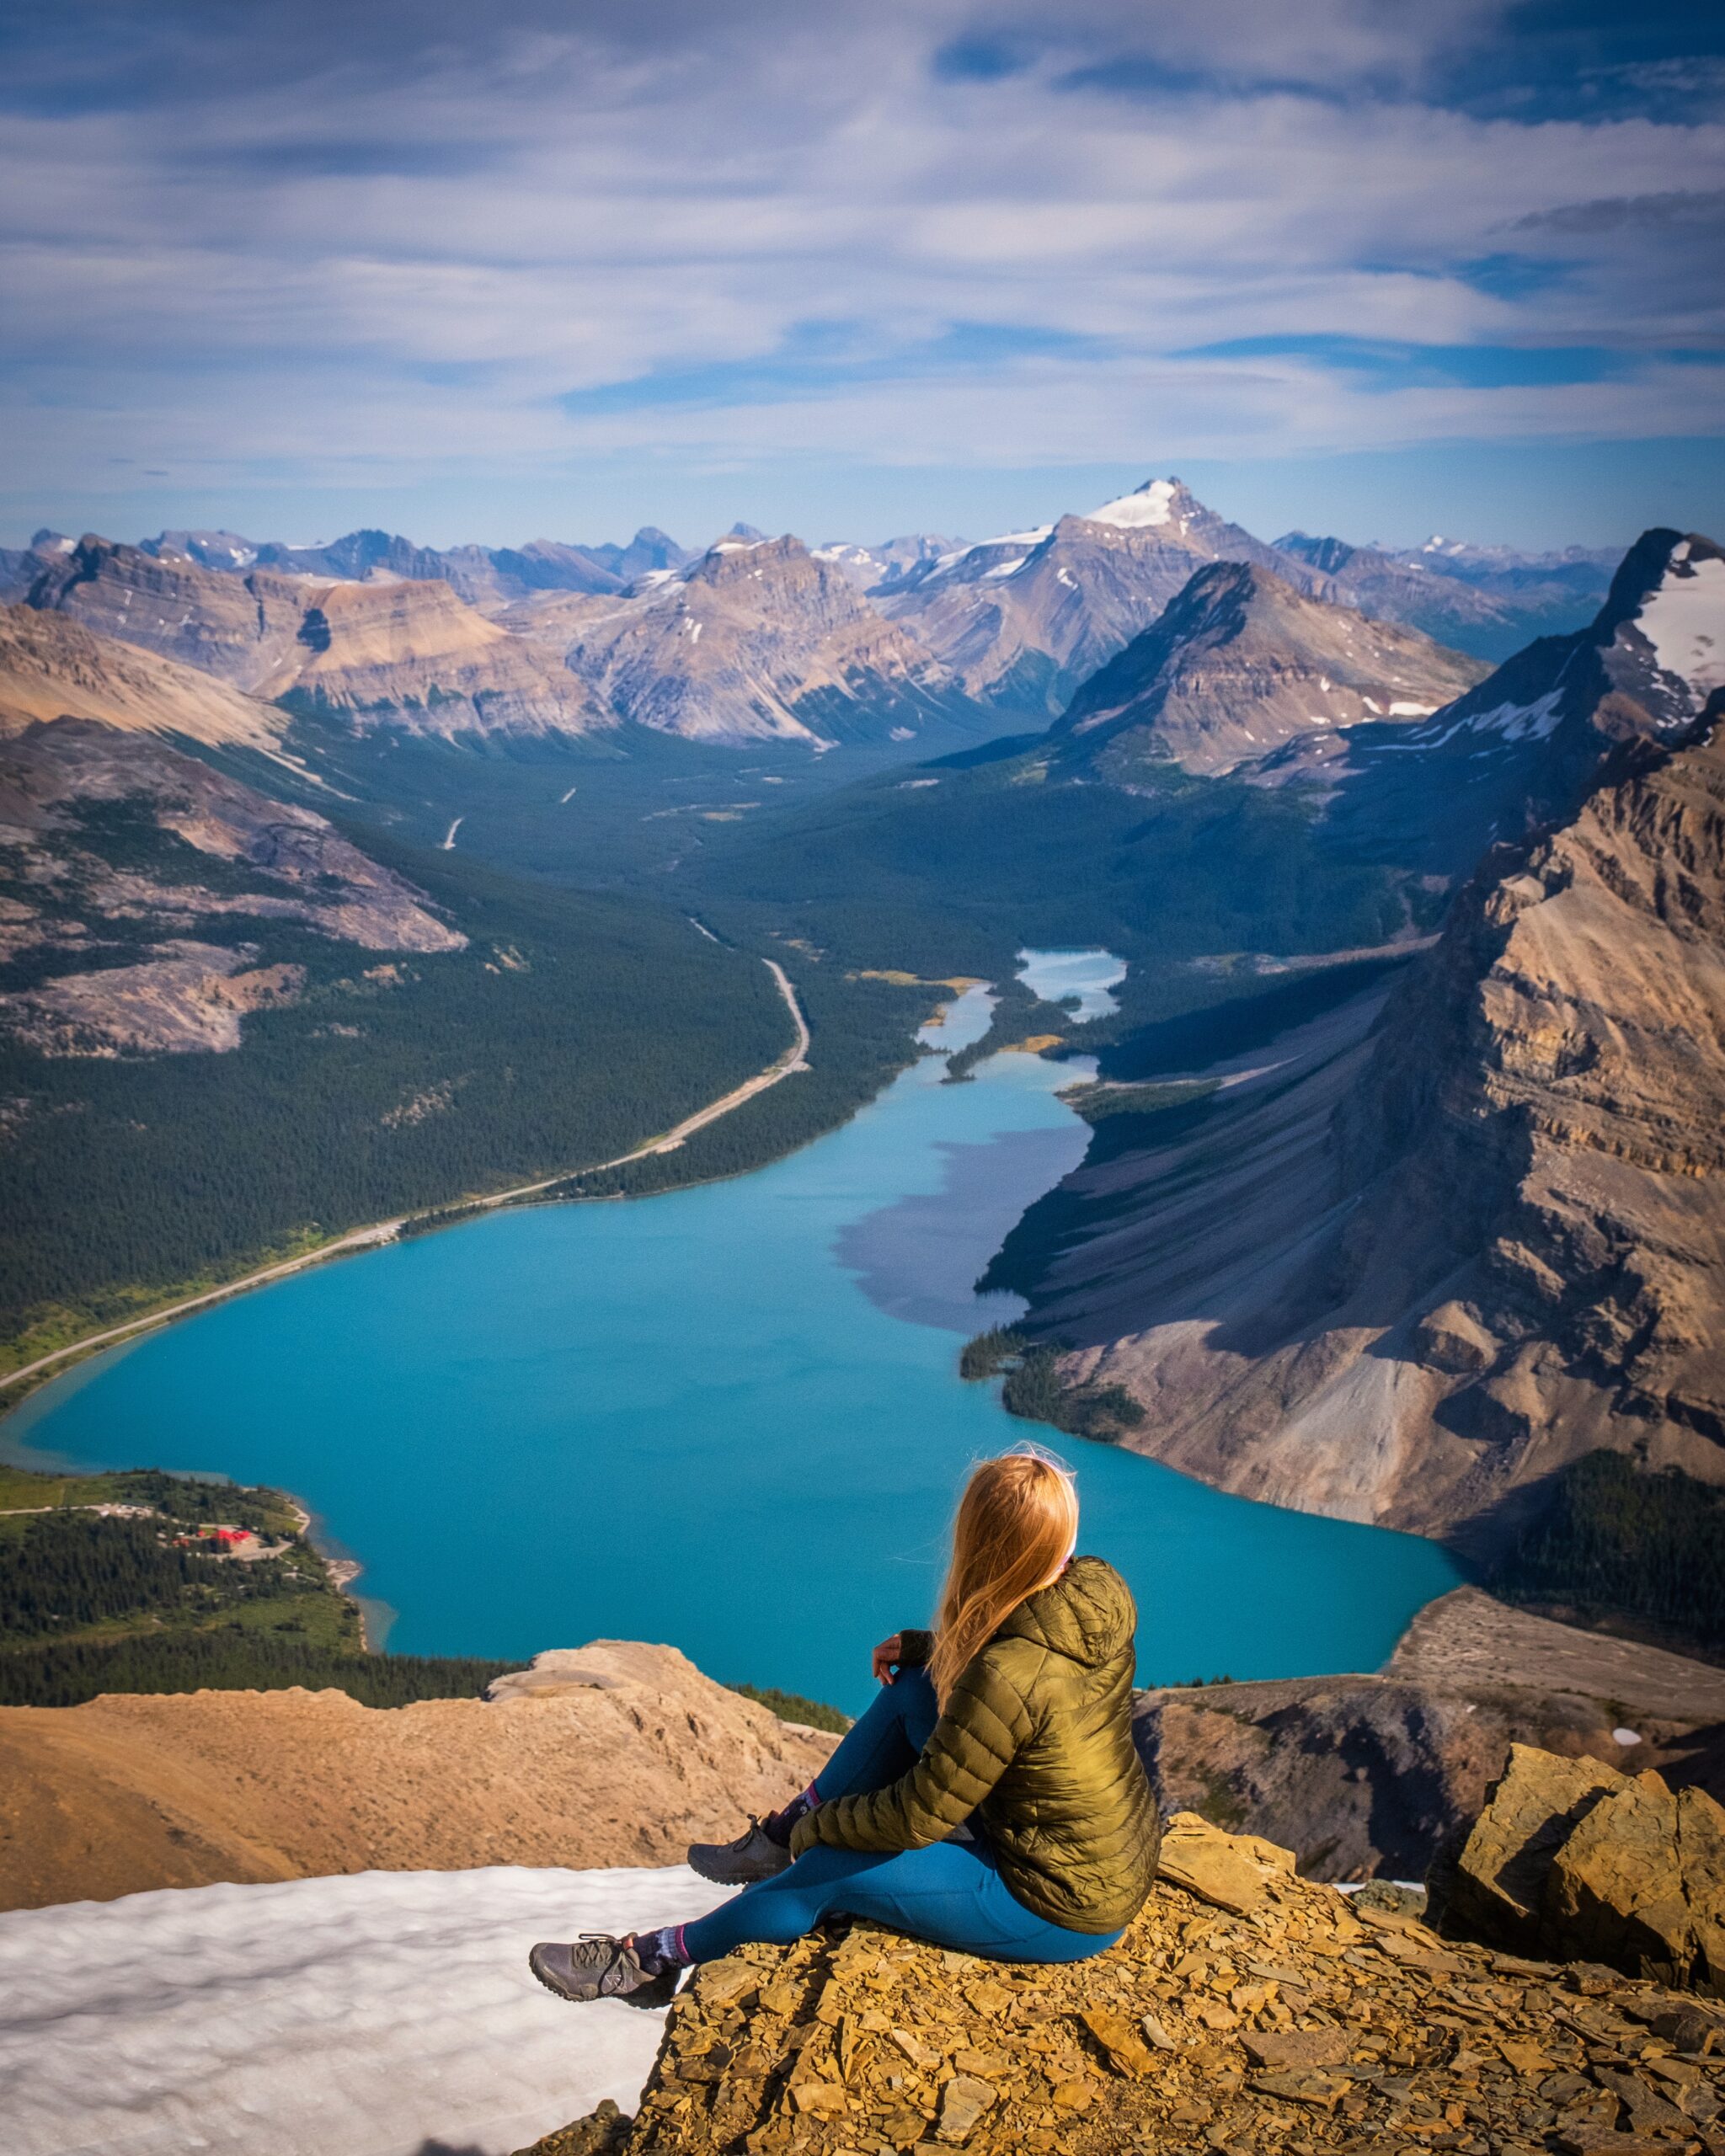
{"x": 1016, "y": 1525}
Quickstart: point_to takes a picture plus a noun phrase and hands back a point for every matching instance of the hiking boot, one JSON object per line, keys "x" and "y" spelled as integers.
{"x": 753, "y": 1856}
{"x": 599, "y": 1966}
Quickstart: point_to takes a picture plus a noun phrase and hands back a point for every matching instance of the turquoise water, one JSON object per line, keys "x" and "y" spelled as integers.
{"x": 1086, "y": 974}
{"x": 728, "y": 1418}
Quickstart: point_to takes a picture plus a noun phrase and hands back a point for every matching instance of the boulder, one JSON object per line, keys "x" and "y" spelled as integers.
{"x": 1572, "y": 1860}
{"x": 1491, "y": 1886}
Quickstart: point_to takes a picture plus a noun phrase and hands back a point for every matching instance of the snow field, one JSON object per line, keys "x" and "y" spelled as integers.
{"x": 389, "y": 2014}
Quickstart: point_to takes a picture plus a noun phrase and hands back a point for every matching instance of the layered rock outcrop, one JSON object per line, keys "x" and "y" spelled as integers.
{"x": 52, "y": 667}
{"x": 402, "y": 651}
{"x": 616, "y": 1754}
{"x": 1245, "y": 2010}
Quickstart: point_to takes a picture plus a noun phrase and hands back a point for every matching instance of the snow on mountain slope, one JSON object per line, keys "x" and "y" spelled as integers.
{"x": 1152, "y": 503}
{"x": 380, "y": 2015}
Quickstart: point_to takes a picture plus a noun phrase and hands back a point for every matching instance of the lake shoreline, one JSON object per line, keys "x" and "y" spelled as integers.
{"x": 807, "y": 1397}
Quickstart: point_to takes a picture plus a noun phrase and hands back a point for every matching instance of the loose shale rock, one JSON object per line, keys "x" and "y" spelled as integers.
{"x": 1291, "y": 2026}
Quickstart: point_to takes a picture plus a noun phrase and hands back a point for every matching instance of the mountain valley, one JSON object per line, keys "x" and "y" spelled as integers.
{"x": 367, "y": 811}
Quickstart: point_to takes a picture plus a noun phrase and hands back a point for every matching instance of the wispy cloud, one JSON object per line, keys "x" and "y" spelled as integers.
{"x": 401, "y": 241}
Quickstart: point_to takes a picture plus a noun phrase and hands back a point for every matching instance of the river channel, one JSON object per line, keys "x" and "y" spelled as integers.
{"x": 729, "y": 1417}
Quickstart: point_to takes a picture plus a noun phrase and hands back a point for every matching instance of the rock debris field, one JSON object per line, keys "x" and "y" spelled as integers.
{"x": 1247, "y": 2009}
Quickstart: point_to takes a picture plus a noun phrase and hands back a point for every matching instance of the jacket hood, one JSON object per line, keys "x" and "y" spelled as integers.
{"x": 1087, "y": 1614}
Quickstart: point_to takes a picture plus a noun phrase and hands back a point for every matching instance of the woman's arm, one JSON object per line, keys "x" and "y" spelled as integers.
{"x": 976, "y": 1739}
{"x": 903, "y": 1650}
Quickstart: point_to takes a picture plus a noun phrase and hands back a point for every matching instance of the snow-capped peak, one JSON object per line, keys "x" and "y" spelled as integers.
{"x": 1151, "y": 504}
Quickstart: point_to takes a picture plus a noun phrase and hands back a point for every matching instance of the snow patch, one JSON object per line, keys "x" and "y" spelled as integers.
{"x": 367, "y": 2016}
{"x": 1152, "y": 503}
{"x": 1516, "y": 722}
{"x": 1685, "y": 620}
{"x": 1404, "y": 710}
{"x": 1010, "y": 567}
{"x": 1033, "y": 538}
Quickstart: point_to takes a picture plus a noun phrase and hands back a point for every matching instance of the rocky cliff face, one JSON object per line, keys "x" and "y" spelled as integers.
{"x": 1023, "y": 620}
{"x": 237, "y": 629}
{"x": 1245, "y": 2009}
{"x": 758, "y": 640}
{"x": 1424, "y": 1267}
{"x": 1367, "y": 1776}
{"x": 1240, "y": 664}
{"x": 613, "y": 1753}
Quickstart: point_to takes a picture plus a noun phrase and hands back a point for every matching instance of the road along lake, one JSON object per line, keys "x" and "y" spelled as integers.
{"x": 729, "y": 1417}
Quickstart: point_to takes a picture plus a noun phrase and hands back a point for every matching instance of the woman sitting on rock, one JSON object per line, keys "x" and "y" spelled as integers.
{"x": 989, "y": 1801}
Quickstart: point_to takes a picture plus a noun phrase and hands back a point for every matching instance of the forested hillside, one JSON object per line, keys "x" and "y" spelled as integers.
{"x": 570, "y": 1029}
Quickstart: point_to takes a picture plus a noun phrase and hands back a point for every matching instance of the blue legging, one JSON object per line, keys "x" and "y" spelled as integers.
{"x": 951, "y": 1893}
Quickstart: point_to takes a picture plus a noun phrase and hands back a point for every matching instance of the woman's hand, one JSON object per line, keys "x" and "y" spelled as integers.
{"x": 889, "y": 1653}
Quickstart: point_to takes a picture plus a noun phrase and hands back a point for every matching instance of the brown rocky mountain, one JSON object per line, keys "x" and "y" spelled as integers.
{"x": 1023, "y": 620}
{"x": 402, "y": 652}
{"x": 1240, "y": 663}
{"x": 1404, "y": 1272}
{"x": 756, "y": 640}
{"x": 52, "y": 667}
{"x": 613, "y": 1753}
{"x": 131, "y": 875}
{"x": 236, "y": 629}
{"x": 411, "y": 655}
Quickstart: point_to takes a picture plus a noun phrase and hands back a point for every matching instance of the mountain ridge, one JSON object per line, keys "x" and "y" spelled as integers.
{"x": 1465, "y": 1242}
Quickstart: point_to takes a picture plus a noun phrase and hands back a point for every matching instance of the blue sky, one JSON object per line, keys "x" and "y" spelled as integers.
{"x": 560, "y": 270}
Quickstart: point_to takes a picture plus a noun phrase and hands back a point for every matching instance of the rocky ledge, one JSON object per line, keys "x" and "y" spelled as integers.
{"x": 1247, "y": 2009}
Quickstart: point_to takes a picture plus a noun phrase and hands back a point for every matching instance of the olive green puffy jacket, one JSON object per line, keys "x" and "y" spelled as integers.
{"x": 1036, "y": 1740}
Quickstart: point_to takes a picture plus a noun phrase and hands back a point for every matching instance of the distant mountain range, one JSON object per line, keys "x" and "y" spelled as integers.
{"x": 756, "y": 639}
{"x": 1485, "y": 600}
{"x": 1009, "y": 628}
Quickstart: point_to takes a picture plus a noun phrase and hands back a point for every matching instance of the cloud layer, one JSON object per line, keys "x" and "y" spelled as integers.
{"x": 380, "y": 245}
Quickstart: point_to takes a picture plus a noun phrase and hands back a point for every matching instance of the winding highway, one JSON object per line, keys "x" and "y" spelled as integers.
{"x": 795, "y": 1058}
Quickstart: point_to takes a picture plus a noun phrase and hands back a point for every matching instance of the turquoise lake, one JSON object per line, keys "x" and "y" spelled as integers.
{"x": 728, "y": 1418}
